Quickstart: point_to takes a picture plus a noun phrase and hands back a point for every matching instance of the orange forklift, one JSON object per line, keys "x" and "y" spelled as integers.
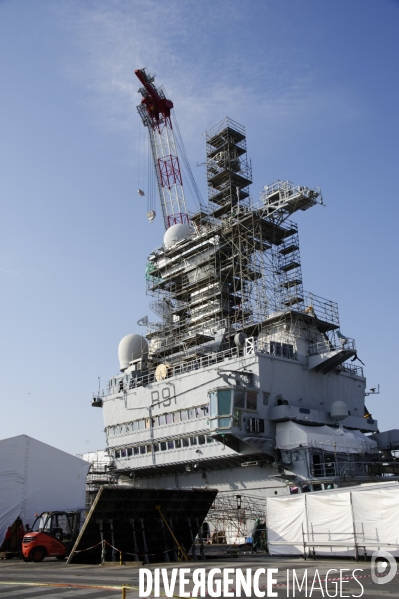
{"x": 53, "y": 534}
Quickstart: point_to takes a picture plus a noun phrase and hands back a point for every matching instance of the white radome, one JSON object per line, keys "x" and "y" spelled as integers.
{"x": 339, "y": 410}
{"x": 132, "y": 347}
{"x": 175, "y": 233}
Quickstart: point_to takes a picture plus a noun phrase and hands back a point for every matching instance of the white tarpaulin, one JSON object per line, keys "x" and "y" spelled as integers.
{"x": 284, "y": 523}
{"x": 35, "y": 477}
{"x": 340, "y": 520}
{"x": 377, "y": 516}
{"x": 290, "y": 435}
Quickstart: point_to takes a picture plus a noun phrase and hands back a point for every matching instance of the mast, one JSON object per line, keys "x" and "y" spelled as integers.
{"x": 155, "y": 112}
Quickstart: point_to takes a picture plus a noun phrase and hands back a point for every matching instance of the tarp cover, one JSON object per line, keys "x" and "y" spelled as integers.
{"x": 372, "y": 510}
{"x": 290, "y": 435}
{"x": 35, "y": 477}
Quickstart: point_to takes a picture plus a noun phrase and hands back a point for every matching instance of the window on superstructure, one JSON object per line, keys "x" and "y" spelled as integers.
{"x": 147, "y": 423}
{"x": 285, "y": 350}
{"x": 163, "y": 445}
{"x": 288, "y": 350}
{"x": 193, "y": 440}
{"x": 156, "y": 446}
{"x": 177, "y": 443}
{"x": 275, "y": 348}
{"x": 136, "y": 450}
{"x": 186, "y": 442}
{"x": 245, "y": 400}
{"x": 201, "y": 439}
{"x": 209, "y": 439}
{"x": 141, "y": 425}
{"x": 176, "y": 417}
{"x": 191, "y": 414}
{"x": 129, "y": 452}
{"x": 149, "y": 450}
{"x": 224, "y": 402}
{"x": 169, "y": 418}
{"x": 136, "y": 425}
{"x": 171, "y": 445}
{"x": 252, "y": 398}
{"x": 237, "y": 417}
{"x": 183, "y": 415}
{"x": 143, "y": 449}
{"x": 161, "y": 420}
{"x": 239, "y": 399}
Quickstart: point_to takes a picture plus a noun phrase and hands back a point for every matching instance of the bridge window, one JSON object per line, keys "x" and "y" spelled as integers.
{"x": 285, "y": 350}
{"x": 245, "y": 400}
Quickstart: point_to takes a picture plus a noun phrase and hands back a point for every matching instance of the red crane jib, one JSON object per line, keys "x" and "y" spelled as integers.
{"x": 154, "y": 104}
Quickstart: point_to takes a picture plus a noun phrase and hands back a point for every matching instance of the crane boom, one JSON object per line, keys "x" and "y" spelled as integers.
{"x": 155, "y": 112}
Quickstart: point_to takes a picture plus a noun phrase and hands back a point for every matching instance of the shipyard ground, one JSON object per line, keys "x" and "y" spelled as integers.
{"x": 53, "y": 579}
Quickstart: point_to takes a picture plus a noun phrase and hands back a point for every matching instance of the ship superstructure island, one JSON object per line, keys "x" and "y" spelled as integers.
{"x": 246, "y": 383}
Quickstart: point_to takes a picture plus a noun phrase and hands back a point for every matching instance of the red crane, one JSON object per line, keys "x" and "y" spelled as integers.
{"x": 155, "y": 112}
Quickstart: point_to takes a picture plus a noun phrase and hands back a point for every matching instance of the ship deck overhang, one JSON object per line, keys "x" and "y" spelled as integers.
{"x": 201, "y": 465}
{"x": 291, "y": 315}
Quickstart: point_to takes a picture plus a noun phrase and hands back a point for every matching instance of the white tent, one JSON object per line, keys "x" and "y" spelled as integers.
{"x": 347, "y": 521}
{"x": 35, "y": 477}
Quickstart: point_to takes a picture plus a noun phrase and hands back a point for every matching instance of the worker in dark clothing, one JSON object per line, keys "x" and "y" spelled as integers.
{"x": 257, "y": 535}
{"x": 21, "y": 534}
{"x": 7, "y": 541}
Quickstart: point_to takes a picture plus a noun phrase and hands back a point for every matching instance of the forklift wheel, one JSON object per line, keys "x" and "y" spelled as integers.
{"x": 38, "y": 554}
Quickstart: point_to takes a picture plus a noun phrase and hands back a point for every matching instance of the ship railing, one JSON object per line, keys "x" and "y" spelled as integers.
{"x": 251, "y": 346}
{"x": 101, "y": 393}
{"x": 285, "y": 186}
{"x": 351, "y": 369}
{"x": 321, "y": 308}
{"x": 325, "y": 346}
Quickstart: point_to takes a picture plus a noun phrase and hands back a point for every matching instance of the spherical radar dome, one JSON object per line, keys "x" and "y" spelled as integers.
{"x": 132, "y": 347}
{"x": 175, "y": 233}
{"x": 339, "y": 410}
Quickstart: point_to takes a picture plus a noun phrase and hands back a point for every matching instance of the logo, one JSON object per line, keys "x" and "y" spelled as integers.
{"x": 383, "y": 567}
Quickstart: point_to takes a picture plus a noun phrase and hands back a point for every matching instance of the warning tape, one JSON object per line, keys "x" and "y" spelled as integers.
{"x": 119, "y": 550}
{"x": 80, "y": 586}
{"x": 128, "y": 587}
{"x": 88, "y": 548}
{"x": 65, "y": 585}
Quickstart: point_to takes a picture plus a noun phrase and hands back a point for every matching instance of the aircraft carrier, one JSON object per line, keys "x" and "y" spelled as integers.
{"x": 245, "y": 382}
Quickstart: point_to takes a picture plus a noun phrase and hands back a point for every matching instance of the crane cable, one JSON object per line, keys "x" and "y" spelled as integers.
{"x": 186, "y": 163}
{"x": 138, "y": 161}
{"x": 150, "y": 178}
{"x": 183, "y": 154}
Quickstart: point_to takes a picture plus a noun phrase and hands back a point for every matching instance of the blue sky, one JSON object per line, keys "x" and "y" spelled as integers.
{"x": 316, "y": 85}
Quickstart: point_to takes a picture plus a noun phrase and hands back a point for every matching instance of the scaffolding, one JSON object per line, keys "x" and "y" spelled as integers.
{"x": 232, "y": 517}
{"x": 239, "y": 268}
{"x": 101, "y": 472}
